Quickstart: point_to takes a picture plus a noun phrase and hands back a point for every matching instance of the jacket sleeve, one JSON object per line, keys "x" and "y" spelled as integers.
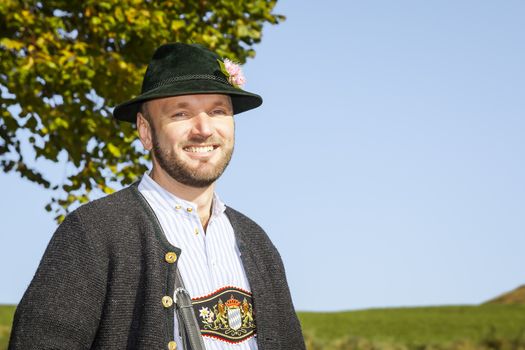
{"x": 62, "y": 306}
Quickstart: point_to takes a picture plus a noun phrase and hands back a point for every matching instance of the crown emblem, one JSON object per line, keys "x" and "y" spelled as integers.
{"x": 232, "y": 302}
{"x": 231, "y": 320}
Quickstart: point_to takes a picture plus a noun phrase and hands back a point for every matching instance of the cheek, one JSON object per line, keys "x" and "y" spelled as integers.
{"x": 227, "y": 129}
{"x": 170, "y": 137}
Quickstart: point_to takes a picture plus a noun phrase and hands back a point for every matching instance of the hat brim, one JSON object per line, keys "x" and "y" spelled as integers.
{"x": 241, "y": 100}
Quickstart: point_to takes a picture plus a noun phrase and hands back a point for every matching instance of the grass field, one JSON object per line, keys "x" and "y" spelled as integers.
{"x": 6, "y": 319}
{"x": 418, "y": 325}
{"x": 490, "y": 327}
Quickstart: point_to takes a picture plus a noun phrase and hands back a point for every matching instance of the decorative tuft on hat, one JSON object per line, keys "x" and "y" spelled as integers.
{"x": 233, "y": 72}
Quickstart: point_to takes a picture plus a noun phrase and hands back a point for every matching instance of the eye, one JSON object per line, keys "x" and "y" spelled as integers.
{"x": 219, "y": 112}
{"x": 180, "y": 115}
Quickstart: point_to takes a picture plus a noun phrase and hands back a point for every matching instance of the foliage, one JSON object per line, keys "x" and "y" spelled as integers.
{"x": 64, "y": 63}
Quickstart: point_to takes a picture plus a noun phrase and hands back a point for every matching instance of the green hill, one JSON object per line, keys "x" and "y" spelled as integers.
{"x": 472, "y": 327}
{"x": 485, "y": 327}
{"x": 516, "y": 296}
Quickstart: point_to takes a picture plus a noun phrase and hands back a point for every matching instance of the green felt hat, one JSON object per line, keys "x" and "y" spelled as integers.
{"x": 181, "y": 69}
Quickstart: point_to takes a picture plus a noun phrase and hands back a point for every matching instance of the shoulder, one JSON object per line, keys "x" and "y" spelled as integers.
{"x": 242, "y": 221}
{"x": 246, "y": 229}
{"x": 113, "y": 203}
{"x": 104, "y": 218}
{"x": 119, "y": 206}
{"x": 250, "y": 235}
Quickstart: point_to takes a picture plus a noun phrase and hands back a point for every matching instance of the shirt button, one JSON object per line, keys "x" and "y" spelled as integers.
{"x": 172, "y": 345}
{"x": 189, "y": 210}
{"x": 167, "y": 301}
{"x": 170, "y": 257}
{"x": 178, "y": 206}
{"x": 196, "y": 231}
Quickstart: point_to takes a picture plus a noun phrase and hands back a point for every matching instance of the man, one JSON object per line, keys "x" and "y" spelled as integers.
{"x": 110, "y": 273}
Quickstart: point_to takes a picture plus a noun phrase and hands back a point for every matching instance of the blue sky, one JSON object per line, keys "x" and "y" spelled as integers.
{"x": 386, "y": 163}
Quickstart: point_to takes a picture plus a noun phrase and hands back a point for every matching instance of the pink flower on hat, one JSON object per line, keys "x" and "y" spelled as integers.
{"x": 233, "y": 72}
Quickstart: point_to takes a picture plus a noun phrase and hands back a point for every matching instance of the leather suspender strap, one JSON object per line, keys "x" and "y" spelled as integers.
{"x": 188, "y": 326}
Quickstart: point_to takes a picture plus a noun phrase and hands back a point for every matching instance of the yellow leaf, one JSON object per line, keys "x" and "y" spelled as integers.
{"x": 131, "y": 14}
{"x": 115, "y": 151}
{"x": 62, "y": 122}
{"x": 108, "y": 190}
{"x": 177, "y": 24}
{"x": 29, "y": 64}
{"x": 11, "y": 44}
{"x": 80, "y": 46}
{"x": 51, "y": 64}
{"x": 83, "y": 60}
{"x": 119, "y": 15}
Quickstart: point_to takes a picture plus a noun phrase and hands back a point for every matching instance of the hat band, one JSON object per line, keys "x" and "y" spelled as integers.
{"x": 186, "y": 78}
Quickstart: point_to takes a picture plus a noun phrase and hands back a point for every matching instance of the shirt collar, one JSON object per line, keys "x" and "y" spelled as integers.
{"x": 217, "y": 206}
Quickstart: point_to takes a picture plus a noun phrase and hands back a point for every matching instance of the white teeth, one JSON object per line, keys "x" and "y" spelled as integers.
{"x": 199, "y": 149}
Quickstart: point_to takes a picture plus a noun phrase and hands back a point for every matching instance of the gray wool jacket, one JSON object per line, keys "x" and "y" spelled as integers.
{"x": 101, "y": 281}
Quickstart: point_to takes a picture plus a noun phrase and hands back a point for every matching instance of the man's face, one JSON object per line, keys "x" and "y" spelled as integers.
{"x": 192, "y": 136}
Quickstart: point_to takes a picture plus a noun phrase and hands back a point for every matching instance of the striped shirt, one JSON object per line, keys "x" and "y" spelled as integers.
{"x": 209, "y": 261}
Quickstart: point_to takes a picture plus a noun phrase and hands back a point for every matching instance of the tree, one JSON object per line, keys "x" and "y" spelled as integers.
{"x": 64, "y": 64}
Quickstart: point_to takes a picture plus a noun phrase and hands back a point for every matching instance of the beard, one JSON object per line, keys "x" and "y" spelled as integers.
{"x": 181, "y": 171}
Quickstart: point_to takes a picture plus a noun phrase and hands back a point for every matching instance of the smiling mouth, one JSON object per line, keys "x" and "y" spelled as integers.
{"x": 200, "y": 149}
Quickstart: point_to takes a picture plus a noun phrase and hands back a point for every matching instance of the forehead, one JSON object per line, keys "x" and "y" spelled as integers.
{"x": 203, "y": 101}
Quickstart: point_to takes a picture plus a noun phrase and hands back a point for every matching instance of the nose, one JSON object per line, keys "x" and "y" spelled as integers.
{"x": 202, "y": 125}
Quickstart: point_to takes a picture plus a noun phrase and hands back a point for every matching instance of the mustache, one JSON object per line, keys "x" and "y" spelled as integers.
{"x": 199, "y": 140}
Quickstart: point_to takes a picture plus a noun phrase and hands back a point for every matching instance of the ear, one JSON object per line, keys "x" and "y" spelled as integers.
{"x": 145, "y": 132}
